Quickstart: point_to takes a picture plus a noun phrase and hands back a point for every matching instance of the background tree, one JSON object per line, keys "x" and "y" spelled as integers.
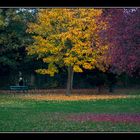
{"x": 123, "y": 37}
{"x": 67, "y": 38}
{"x": 14, "y": 39}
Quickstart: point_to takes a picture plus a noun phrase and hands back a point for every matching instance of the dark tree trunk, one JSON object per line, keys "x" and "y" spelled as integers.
{"x": 32, "y": 79}
{"x": 99, "y": 88}
{"x": 69, "y": 81}
{"x": 126, "y": 81}
{"x": 112, "y": 79}
{"x": 111, "y": 88}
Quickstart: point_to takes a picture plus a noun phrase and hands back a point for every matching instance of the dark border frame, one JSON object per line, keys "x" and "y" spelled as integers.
{"x": 67, "y": 3}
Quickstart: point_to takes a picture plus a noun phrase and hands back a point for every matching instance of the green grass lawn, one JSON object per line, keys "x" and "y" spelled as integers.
{"x": 21, "y": 115}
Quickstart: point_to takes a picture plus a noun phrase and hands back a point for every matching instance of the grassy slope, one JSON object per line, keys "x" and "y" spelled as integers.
{"x": 30, "y": 115}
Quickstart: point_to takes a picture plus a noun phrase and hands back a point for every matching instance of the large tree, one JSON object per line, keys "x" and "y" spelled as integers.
{"x": 67, "y": 38}
{"x": 123, "y": 37}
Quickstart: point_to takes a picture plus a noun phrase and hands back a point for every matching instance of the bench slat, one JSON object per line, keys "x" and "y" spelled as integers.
{"x": 19, "y": 87}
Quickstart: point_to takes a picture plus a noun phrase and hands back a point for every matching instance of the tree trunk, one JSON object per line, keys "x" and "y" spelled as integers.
{"x": 99, "y": 88}
{"x": 32, "y": 79}
{"x": 69, "y": 81}
{"x": 126, "y": 81}
{"x": 110, "y": 87}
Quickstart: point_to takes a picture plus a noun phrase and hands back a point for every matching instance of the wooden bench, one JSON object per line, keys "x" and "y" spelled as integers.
{"x": 19, "y": 88}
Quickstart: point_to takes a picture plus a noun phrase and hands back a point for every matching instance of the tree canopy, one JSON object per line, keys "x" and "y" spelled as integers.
{"x": 67, "y": 38}
{"x": 123, "y": 39}
{"x": 14, "y": 38}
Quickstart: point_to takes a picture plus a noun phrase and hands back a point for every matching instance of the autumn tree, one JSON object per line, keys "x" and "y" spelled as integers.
{"x": 67, "y": 38}
{"x": 123, "y": 37}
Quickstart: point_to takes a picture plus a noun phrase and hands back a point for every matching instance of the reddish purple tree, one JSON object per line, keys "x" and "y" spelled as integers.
{"x": 123, "y": 38}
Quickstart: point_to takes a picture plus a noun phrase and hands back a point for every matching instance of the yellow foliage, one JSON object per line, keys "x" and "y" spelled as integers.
{"x": 67, "y": 32}
{"x": 87, "y": 66}
{"x": 51, "y": 70}
{"x": 76, "y": 68}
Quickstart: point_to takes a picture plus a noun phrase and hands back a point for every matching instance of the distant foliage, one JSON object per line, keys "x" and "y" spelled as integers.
{"x": 14, "y": 38}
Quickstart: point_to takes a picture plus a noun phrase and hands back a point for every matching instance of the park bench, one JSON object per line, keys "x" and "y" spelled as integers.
{"x": 19, "y": 88}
